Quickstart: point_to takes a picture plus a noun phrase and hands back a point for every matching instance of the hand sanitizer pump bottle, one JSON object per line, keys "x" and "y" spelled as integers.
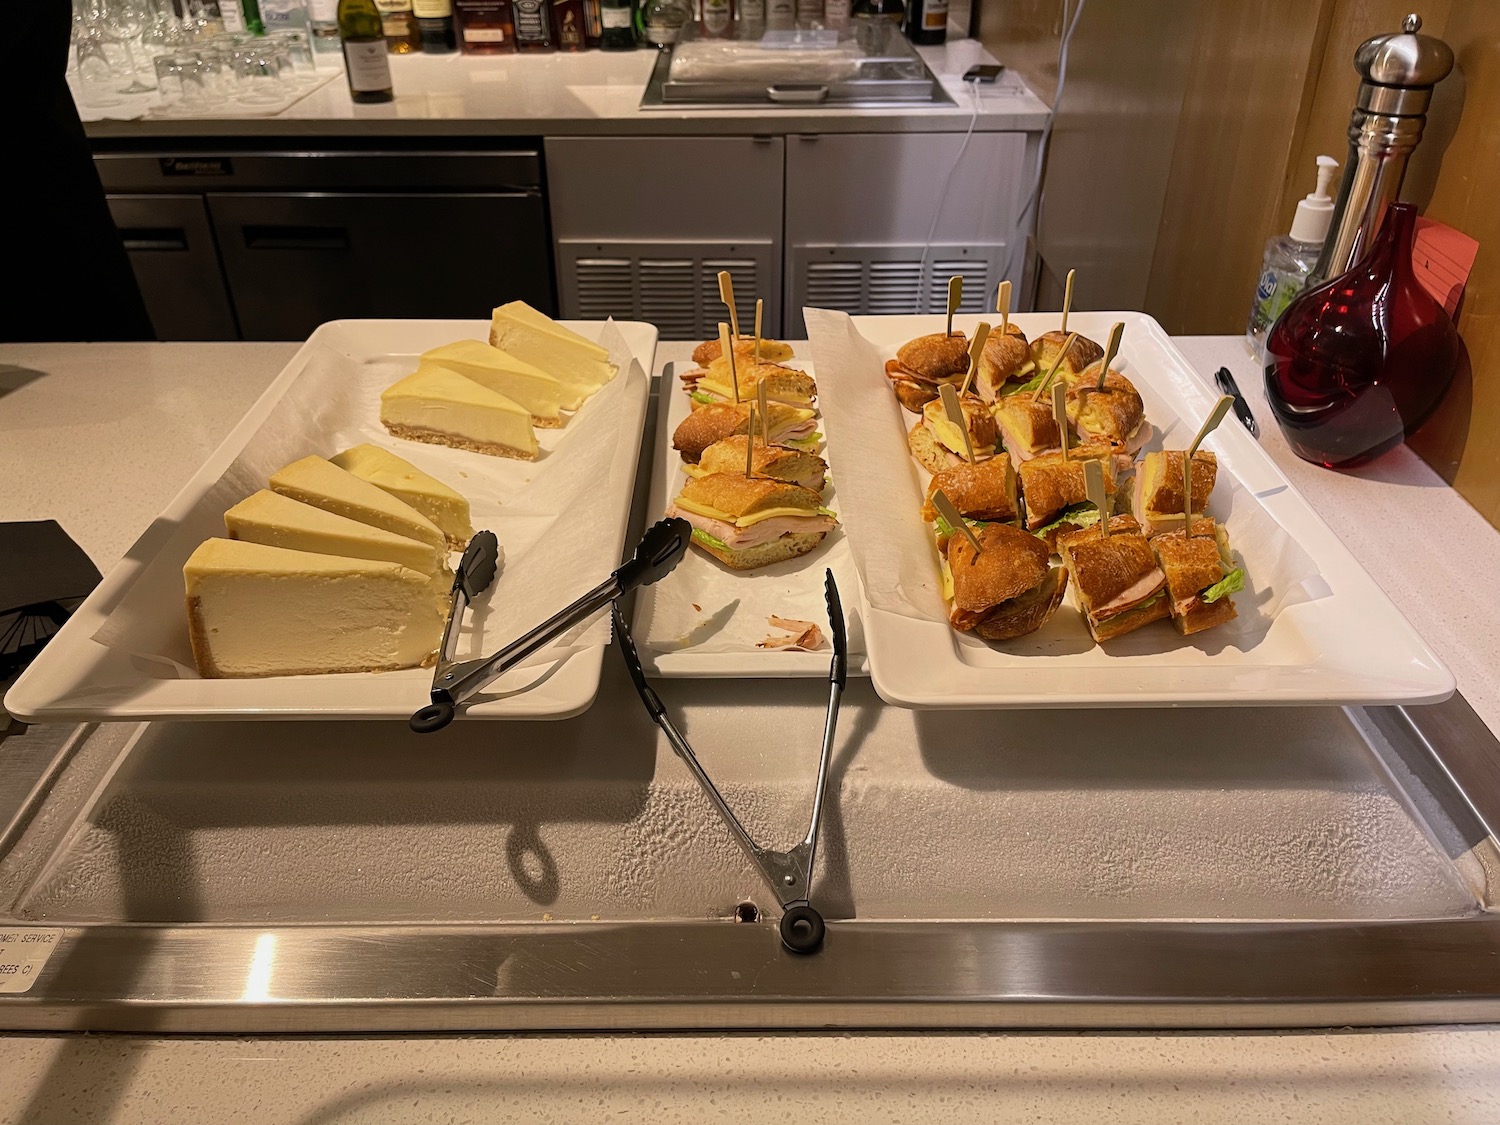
{"x": 1291, "y": 257}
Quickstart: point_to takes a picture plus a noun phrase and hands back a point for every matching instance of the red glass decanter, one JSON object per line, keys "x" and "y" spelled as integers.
{"x": 1358, "y": 363}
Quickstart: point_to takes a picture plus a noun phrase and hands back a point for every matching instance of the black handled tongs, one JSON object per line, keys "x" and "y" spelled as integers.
{"x": 455, "y": 681}
{"x": 788, "y": 874}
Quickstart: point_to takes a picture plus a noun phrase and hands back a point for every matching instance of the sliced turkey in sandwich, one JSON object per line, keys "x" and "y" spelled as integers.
{"x": 1005, "y": 365}
{"x": 1158, "y": 500}
{"x": 1046, "y": 348}
{"x": 1201, "y": 574}
{"x": 783, "y": 425}
{"x": 751, "y": 522}
{"x": 1057, "y": 500}
{"x": 1007, "y": 589}
{"x": 779, "y": 462}
{"x": 1114, "y": 414}
{"x": 938, "y": 443}
{"x": 783, "y": 384}
{"x": 924, "y": 363}
{"x": 985, "y": 492}
{"x": 1116, "y": 580}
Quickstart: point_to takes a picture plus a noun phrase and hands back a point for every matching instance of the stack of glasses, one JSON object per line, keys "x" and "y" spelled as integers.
{"x": 188, "y": 65}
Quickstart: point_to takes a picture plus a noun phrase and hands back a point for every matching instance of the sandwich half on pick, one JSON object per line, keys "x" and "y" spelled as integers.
{"x": 1114, "y": 414}
{"x": 1159, "y": 500}
{"x": 778, "y": 462}
{"x": 1026, "y": 428}
{"x": 922, "y": 364}
{"x": 1005, "y": 365}
{"x": 1007, "y": 589}
{"x": 771, "y": 351}
{"x": 1057, "y": 500}
{"x": 1118, "y": 585}
{"x": 783, "y": 384}
{"x": 1201, "y": 574}
{"x": 938, "y": 443}
{"x": 782, "y": 425}
{"x": 984, "y": 492}
{"x": 1046, "y": 348}
{"x": 749, "y": 522}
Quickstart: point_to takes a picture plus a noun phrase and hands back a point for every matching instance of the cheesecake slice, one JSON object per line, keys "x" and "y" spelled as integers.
{"x": 279, "y": 521}
{"x": 506, "y": 375}
{"x": 323, "y": 484}
{"x": 255, "y": 610}
{"x": 409, "y": 484}
{"x": 436, "y": 405}
{"x": 579, "y": 364}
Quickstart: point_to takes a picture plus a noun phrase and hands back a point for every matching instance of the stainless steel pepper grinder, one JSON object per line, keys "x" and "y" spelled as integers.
{"x": 1398, "y": 73}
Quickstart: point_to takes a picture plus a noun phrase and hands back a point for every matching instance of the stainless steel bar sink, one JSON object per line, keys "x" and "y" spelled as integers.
{"x": 1260, "y": 867}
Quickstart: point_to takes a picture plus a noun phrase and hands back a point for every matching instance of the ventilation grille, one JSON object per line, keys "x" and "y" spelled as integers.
{"x": 679, "y": 293}
{"x": 891, "y": 280}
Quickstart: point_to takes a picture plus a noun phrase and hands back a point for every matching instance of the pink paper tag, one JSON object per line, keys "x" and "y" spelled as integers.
{"x": 1442, "y": 258}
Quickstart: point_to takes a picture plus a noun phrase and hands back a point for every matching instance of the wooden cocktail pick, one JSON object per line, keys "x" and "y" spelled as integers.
{"x": 955, "y": 411}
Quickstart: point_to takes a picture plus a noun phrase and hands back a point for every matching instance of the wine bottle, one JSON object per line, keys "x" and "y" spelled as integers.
{"x": 618, "y": 17}
{"x": 365, "y": 57}
{"x": 927, "y": 22}
{"x": 435, "y": 25}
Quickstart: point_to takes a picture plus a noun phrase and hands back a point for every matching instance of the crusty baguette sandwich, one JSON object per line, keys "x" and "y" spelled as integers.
{"x": 706, "y": 386}
{"x": 783, "y": 425}
{"x": 1005, "y": 365}
{"x": 1026, "y": 428}
{"x": 1006, "y": 590}
{"x": 778, "y": 462}
{"x": 1158, "y": 500}
{"x": 771, "y": 351}
{"x": 1116, "y": 580}
{"x": 1046, "y": 348}
{"x": 938, "y": 444}
{"x": 1057, "y": 500}
{"x": 748, "y": 522}
{"x": 1201, "y": 574}
{"x": 1114, "y": 414}
{"x": 922, "y": 364}
{"x": 985, "y": 491}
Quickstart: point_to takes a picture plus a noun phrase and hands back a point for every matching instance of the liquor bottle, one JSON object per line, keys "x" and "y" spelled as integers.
{"x": 365, "y": 62}
{"x": 435, "y": 25}
{"x": 285, "y": 15}
{"x": 534, "y": 26}
{"x": 324, "y": 17}
{"x": 485, "y": 27}
{"x": 875, "y": 21}
{"x": 717, "y": 19}
{"x": 751, "y": 15}
{"x": 781, "y": 15}
{"x": 809, "y": 14}
{"x": 593, "y": 26}
{"x": 253, "y": 23}
{"x": 568, "y": 22}
{"x": 836, "y": 14}
{"x": 927, "y": 22}
{"x": 665, "y": 20}
{"x": 402, "y": 36}
{"x": 618, "y": 18}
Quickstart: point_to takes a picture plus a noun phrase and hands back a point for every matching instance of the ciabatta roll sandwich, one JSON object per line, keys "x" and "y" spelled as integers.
{"x": 706, "y": 386}
{"x": 924, "y": 363}
{"x": 747, "y": 523}
{"x": 1159, "y": 500}
{"x": 778, "y": 462}
{"x": 985, "y": 492}
{"x": 1007, "y": 589}
{"x": 771, "y": 351}
{"x": 783, "y": 425}
{"x": 1114, "y": 414}
{"x": 1005, "y": 365}
{"x": 1057, "y": 500}
{"x": 1116, "y": 581}
{"x": 1046, "y": 347}
{"x": 938, "y": 444}
{"x": 1201, "y": 576}
{"x": 1027, "y": 429}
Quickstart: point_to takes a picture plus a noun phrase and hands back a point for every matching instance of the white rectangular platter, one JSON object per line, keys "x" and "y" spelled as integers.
{"x": 1313, "y": 627}
{"x": 704, "y": 619}
{"x": 123, "y": 654}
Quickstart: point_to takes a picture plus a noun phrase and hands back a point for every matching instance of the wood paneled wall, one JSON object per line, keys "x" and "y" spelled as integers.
{"x": 1188, "y": 132}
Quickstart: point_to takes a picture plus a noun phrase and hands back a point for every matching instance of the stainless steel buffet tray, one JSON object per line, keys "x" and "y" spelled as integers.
{"x": 1192, "y": 868}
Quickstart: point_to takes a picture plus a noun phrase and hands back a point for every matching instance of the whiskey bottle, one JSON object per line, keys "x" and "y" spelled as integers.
{"x": 402, "y": 36}
{"x": 485, "y": 27}
{"x": 569, "y": 23}
{"x": 534, "y": 26}
{"x": 435, "y": 25}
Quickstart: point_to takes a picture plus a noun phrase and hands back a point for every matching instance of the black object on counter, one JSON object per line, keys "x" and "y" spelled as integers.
{"x": 1225, "y": 382}
{"x": 44, "y": 576}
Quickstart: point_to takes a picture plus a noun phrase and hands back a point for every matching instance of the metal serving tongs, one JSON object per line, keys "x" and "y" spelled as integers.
{"x": 659, "y": 550}
{"x": 788, "y": 874}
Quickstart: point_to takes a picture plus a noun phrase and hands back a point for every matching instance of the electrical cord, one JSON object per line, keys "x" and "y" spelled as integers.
{"x": 937, "y": 210}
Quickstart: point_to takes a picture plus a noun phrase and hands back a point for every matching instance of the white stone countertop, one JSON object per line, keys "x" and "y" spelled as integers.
{"x": 136, "y": 421}
{"x": 590, "y": 92}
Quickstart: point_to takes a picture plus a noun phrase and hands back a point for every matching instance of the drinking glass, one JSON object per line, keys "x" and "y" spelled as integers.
{"x": 259, "y": 75}
{"x": 299, "y": 50}
{"x": 98, "y": 80}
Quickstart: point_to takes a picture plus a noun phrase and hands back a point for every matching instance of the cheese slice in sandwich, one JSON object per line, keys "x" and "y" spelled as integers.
{"x": 506, "y": 375}
{"x": 1115, "y": 414}
{"x": 1201, "y": 576}
{"x": 279, "y": 521}
{"x": 938, "y": 443}
{"x": 439, "y": 406}
{"x": 409, "y": 484}
{"x": 783, "y": 384}
{"x": 255, "y": 610}
{"x": 779, "y": 462}
{"x": 1026, "y": 428}
{"x": 771, "y": 351}
{"x": 752, "y": 522}
{"x": 578, "y": 363}
{"x": 1159, "y": 499}
{"x": 324, "y": 485}
{"x": 1117, "y": 581}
